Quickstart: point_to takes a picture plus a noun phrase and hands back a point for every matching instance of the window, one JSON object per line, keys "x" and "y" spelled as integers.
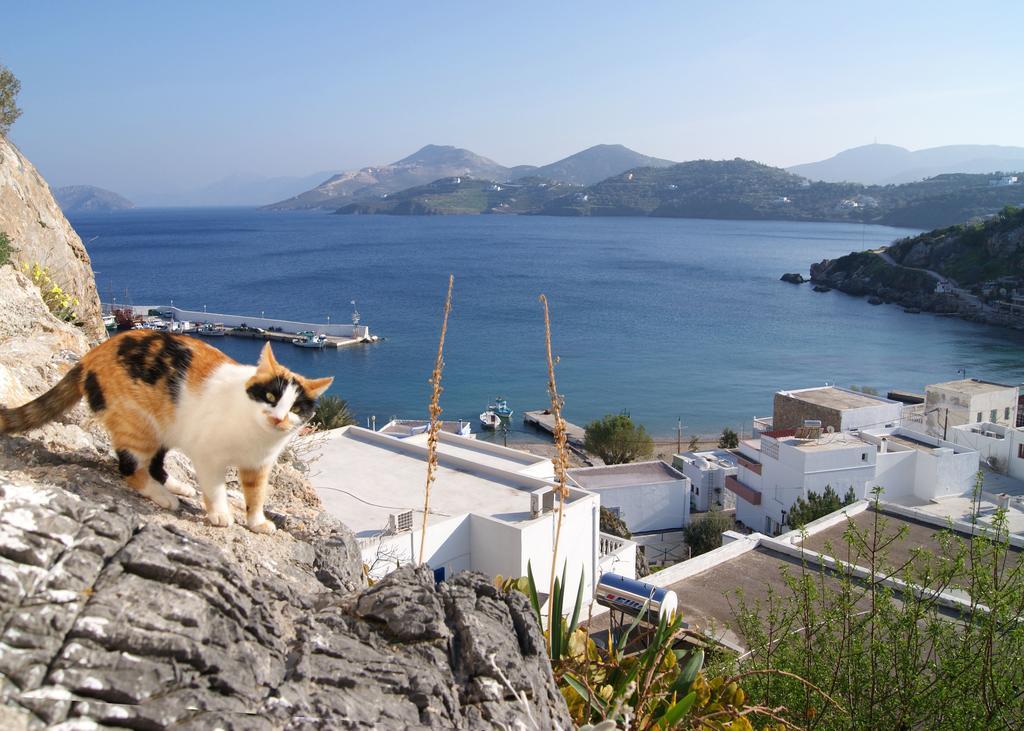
{"x": 696, "y": 489}
{"x": 1006, "y": 413}
{"x": 864, "y": 457}
{"x": 992, "y": 416}
{"x": 979, "y": 417}
{"x": 1020, "y": 451}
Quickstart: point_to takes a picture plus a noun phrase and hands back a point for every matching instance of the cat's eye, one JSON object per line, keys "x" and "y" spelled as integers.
{"x": 271, "y": 398}
{"x": 295, "y": 409}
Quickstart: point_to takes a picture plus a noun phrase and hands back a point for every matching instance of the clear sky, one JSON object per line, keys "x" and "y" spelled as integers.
{"x": 147, "y": 99}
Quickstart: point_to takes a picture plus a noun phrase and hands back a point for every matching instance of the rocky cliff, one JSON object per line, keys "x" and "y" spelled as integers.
{"x": 41, "y": 234}
{"x": 114, "y": 612}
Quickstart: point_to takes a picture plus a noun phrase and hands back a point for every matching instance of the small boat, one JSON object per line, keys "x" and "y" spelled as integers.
{"x": 497, "y": 413}
{"x": 110, "y": 322}
{"x": 211, "y": 331}
{"x": 309, "y": 340}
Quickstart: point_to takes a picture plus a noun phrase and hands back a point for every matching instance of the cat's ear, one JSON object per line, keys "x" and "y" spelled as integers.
{"x": 317, "y": 386}
{"x": 267, "y": 360}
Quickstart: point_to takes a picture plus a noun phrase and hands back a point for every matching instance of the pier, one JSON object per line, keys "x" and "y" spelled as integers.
{"x": 336, "y": 335}
{"x": 545, "y": 420}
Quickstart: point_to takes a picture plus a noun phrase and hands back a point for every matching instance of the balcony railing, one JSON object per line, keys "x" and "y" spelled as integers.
{"x": 754, "y": 467}
{"x": 609, "y": 544}
{"x": 746, "y": 492}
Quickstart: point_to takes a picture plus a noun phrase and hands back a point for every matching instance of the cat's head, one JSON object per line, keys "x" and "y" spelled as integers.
{"x": 285, "y": 400}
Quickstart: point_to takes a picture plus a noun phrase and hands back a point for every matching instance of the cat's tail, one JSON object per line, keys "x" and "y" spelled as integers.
{"x": 47, "y": 407}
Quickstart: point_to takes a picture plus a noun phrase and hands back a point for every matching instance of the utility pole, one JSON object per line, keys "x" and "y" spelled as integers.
{"x": 679, "y": 435}
{"x": 945, "y": 426}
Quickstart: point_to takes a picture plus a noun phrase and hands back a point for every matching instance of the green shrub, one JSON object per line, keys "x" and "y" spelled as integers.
{"x": 6, "y": 249}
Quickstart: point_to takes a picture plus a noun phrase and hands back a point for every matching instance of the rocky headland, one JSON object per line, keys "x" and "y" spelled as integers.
{"x": 972, "y": 270}
{"x": 114, "y": 612}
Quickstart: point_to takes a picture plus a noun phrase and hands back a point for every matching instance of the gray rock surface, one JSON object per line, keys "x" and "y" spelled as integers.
{"x": 110, "y": 618}
{"x": 41, "y": 234}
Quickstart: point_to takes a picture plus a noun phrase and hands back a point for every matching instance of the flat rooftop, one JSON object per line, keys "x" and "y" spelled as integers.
{"x": 710, "y": 600}
{"x": 835, "y": 440}
{"x": 363, "y": 477}
{"x": 406, "y": 426}
{"x": 484, "y": 453}
{"x": 914, "y": 536}
{"x": 624, "y": 475}
{"x": 972, "y": 386}
{"x": 716, "y": 457}
{"x": 839, "y": 399}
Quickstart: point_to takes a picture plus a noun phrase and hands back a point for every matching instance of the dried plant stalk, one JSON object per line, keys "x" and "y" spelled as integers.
{"x": 435, "y": 413}
{"x": 560, "y": 460}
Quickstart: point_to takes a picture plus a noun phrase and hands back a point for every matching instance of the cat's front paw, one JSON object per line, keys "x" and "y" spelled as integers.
{"x": 262, "y": 526}
{"x": 221, "y": 520}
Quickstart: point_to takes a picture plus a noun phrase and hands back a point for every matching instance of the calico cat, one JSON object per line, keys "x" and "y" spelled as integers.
{"x": 154, "y": 391}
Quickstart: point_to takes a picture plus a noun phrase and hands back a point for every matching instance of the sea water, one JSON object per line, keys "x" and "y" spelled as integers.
{"x": 667, "y": 319}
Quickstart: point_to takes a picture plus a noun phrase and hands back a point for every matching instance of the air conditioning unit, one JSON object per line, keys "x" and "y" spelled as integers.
{"x": 399, "y": 522}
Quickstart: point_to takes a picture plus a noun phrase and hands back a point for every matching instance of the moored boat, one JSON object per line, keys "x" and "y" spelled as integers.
{"x": 211, "y": 331}
{"x": 497, "y": 413}
{"x": 310, "y": 340}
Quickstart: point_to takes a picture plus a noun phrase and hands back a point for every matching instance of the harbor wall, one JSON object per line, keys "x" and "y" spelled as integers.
{"x": 345, "y": 330}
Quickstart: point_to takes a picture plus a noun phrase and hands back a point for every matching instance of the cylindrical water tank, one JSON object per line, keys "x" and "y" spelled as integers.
{"x": 630, "y": 596}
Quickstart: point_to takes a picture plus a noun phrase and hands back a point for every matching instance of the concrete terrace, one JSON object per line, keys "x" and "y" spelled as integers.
{"x": 363, "y": 477}
{"x": 622, "y": 475}
{"x": 839, "y": 399}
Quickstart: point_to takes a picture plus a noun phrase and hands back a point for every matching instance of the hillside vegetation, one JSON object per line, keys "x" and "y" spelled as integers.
{"x": 728, "y": 189}
{"x": 969, "y": 253}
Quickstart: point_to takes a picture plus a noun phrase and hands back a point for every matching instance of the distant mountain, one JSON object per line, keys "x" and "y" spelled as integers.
{"x": 596, "y": 163}
{"x": 89, "y": 199}
{"x": 430, "y": 163}
{"x": 888, "y": 164}
{"x": 728, "y": 189}
{"x": 436, "y": 162}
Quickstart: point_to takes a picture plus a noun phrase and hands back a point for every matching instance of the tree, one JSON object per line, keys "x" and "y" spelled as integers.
{"x": 729, "y": 440}
{"x": 332, "y": 413}
{"x": 704, "y": 532}
{"x": 694, "y": 443}
{"x": 817, "y": 506}
{"x": 617, "y": 440}
{"x": 9, "y": 88}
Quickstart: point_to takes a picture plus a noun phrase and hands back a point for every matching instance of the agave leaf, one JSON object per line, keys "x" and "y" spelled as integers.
{"x": 592, "y": 698}
{"x": 555, "y": 619}
{"x": 676, "y": 711}
{"x": 534, "y": 598}
{"x": 688, "y": 673}
{"x": 578, "y": 607}
{"x": 624, "y": 637}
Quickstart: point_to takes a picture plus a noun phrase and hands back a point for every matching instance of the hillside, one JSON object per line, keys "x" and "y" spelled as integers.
{"x": 90, "y": 199}
{"x": 464, "y": 195}
{"x": 888, "y": 164}
{"x": 597, "y": 163}
{"x": 427, "y": 164}
{"x": 970, "y": 269}
{"x": 435, "y": 162}
{"x": 730, "y": 189}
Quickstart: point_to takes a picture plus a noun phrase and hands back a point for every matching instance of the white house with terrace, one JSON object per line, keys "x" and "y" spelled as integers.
{"x": 492, "y": 509}
{"x": 647, "y": 496}
{"x": 781, "y": 466}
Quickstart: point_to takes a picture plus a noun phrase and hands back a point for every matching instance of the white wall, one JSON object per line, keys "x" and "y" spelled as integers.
{"x": 447, "y": 546}
{"x": 895, "y": 472}
{"x": 868, "y": 417}
{"x": 942, "y": 472}
{"x": 657, "y": 506}
{"x": 751, "y": 516}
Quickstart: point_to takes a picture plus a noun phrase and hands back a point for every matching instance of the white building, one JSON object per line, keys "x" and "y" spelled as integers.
{"x": 1001, "y": 448}
{"x": 492, "y": 509}
{"x": 707, "y": 472}
{"x": 784, "y": 465}
{"x": 1003, "y": 181}
{"x": 968, "y": 401}
{"x": 647, "y": 496}
{"x": 404, "y": 428}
